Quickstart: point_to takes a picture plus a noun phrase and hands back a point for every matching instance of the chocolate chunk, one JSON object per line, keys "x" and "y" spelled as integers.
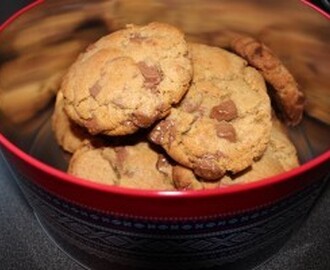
{"x": 162, "y": 164}
{"x": 207, "y": 168}
{"x": 157, "y": 134}
{"x": 95, "y": 89}
{"x": 226, "y": 131}
{"x": 224, "y": 111}
{"x": 152, "y": 75}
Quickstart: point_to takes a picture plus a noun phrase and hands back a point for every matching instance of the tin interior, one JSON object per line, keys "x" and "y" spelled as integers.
{"x": 37, "y": 48}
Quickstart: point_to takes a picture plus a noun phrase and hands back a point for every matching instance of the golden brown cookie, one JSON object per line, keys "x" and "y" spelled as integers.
{"x": 128, "y": 79}
{"x": 280, "y": 156}
{"x": 135, "y": 166}
{"x": 67, "y": 134}
{"x": 224, "y": 121}
{"x": 25, "y": 101}
{"x": 288, "y": 97}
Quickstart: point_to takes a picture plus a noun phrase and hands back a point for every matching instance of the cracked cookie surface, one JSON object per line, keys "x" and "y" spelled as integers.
{"x": 128, "y": 79}
{"x": 280, "y": 156}
{"x": 135, "y": 166}
{"x": 67, "y": 134}
{"x": 224, "y": 121}
{"x": 288, "y": 97}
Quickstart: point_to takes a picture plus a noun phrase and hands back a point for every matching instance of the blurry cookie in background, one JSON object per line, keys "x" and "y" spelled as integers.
{"x": 21, "y": 103}
{"x": 44, "y": 26}
{"x": 29, "y": 82}
{"x": 38, "y": 47}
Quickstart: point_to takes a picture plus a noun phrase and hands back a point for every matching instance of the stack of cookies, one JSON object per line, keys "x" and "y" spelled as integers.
{"x": 142, "y": 108}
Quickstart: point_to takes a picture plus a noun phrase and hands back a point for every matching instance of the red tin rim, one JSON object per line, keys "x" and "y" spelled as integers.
{"x": 19, "y": 13}
{"x": 316, "y": 8}
{"x": 62, "y": 176}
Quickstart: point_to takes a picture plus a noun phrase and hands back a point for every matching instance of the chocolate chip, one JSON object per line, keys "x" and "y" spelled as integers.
{"x": 162, "y": 164}
{"x": 152, "y": 75}
{"x": 157, "y": 135}
{"x": 95, "y": 89}
{"x": 207, "y": 168}
{"x": 224, "y": 111}
{"x": 226, "y": 131}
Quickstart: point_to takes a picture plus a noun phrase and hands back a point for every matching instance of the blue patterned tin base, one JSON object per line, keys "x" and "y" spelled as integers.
{"x": 183, "y": 244}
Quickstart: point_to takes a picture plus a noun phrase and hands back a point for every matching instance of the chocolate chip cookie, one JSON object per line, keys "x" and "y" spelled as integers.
{"x": 224, "y": 121}
{"x": 135, "y": 165}
{"x": 288, "y": 97}
{"x": 280, "y": 156}
{"x": 128, "y": 79}
{"x": 67, "y": 134}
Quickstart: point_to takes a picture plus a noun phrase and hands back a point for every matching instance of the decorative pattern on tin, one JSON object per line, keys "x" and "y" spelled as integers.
{"x": 184, "y": 243}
